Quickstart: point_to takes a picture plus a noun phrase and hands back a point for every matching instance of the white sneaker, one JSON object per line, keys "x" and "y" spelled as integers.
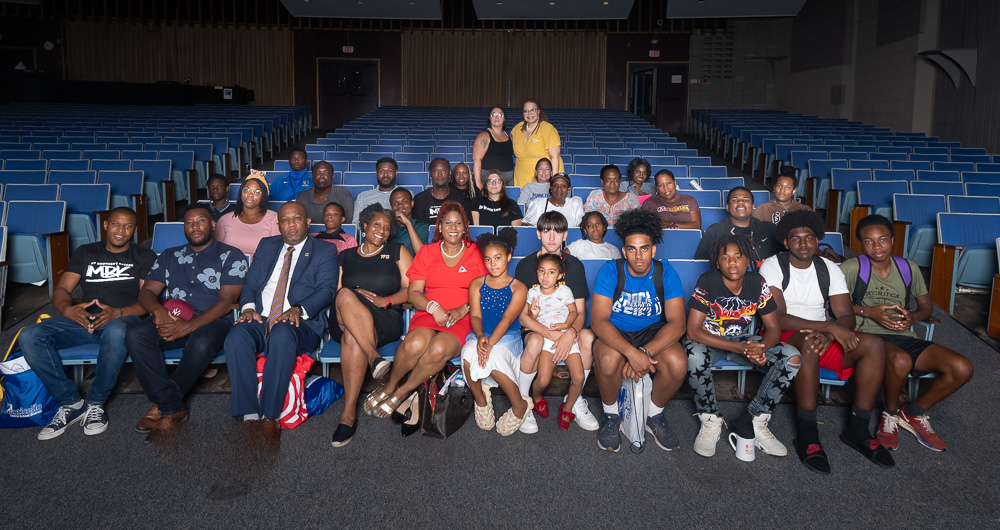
{"x": 584, "y": 418}
{"x": 764, "y": 440}
{"x": 530, "y": 426}
{"x": 709, "y": 434}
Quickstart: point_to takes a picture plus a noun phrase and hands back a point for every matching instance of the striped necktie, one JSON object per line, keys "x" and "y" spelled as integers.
{"x": 278, "y": 302}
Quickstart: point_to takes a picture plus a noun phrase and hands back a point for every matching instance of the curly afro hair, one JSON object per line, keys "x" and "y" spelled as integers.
{"x": 800, "y": 219}
{"x": 642, "y": 222}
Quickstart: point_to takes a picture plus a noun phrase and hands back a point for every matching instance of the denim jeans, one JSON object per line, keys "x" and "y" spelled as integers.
{"x": 778, "y": 375}
{"x": 39, "y": 343}
{"x": 146, "y": 348}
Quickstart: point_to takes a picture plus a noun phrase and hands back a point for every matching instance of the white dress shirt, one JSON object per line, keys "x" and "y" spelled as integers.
{"x": 267, "y": 293}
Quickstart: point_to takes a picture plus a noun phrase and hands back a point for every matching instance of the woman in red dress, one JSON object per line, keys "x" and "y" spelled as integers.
{"x": 439, "y": 288}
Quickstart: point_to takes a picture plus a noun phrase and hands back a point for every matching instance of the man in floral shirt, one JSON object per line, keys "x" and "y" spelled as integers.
{"x": 208, "y": 275}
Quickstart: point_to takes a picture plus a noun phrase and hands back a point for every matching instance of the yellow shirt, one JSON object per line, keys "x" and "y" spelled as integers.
{"x": 527, "y": 154}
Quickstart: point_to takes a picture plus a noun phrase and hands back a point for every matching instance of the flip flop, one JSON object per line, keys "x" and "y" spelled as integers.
{"x": 813, "y": 457}
{"x": 872, "y": 450}
{"x": 373, "y": 399}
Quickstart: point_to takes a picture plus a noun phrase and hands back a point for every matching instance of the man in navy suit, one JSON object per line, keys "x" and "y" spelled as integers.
{"x": 296, "y": 325}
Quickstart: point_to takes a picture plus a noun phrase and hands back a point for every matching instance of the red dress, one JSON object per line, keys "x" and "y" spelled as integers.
{"x": 448, "y": 286}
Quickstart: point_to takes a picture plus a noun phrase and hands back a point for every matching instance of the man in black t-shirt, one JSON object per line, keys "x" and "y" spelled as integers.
{"x": 427, "y": 203}
{"x": 110, "y": 274}
{"x": 741, "y": 222}
{"x": 552, "y": 230}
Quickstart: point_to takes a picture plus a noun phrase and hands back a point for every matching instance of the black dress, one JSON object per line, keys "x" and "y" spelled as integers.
{"x": 380, "y": 275}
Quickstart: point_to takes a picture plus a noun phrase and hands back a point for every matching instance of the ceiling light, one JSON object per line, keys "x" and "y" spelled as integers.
{"x": 606, "y": 2}
{"x": 552, "y": 3}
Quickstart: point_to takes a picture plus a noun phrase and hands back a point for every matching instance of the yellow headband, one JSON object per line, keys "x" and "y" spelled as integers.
{"x": 254, "y": 175}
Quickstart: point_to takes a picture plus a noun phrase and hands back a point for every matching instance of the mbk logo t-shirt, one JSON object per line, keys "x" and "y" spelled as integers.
{"x": 111, "y": 277}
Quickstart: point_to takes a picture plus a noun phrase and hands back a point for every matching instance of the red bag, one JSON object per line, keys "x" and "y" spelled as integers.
{"x": 294, "y": 412}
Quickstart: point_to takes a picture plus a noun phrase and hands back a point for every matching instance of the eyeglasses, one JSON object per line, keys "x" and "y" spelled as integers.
{"x": 530, "y": 111}
{"x": 494, "y": 181}
{"x": 496, "y": 115}
{"x": 251, "y": 191}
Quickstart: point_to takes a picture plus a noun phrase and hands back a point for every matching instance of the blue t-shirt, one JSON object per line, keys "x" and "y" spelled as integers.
{"x": 287, "y": 188}
{"x": 197, "y": 277}
{"x": 638, "y": 307}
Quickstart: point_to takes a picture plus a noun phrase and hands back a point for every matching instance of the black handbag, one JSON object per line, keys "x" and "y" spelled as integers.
{"x": 445, "y": 404}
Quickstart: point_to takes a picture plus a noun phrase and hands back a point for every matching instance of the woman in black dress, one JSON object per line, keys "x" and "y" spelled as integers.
{"x": 369, "y": 309}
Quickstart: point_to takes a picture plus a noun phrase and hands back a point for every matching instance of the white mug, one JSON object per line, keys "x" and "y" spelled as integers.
{"x": 744, "y": 447}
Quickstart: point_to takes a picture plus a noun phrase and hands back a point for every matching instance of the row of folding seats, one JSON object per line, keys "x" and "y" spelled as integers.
{"x": 917, "y": 215}
{"x": 262, "y": 126}
{"x": 875, "y": 187}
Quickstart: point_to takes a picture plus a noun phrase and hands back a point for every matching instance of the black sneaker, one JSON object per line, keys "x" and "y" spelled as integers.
{"x": 64, "y": 417}
{"x": 608, "y": 438}
{"x": 95, "y": 421}
{"x": 660, "y": 429}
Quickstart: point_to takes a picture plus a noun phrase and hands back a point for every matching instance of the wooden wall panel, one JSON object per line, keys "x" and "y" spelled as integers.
{"x": 259, "y": 59}
{"x": 560, "y": 69}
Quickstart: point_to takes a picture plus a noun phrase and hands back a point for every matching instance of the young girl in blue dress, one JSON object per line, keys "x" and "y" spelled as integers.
{"x": 491, "y": 356}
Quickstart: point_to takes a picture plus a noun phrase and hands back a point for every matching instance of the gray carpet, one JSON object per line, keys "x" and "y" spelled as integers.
{"x": 477, "y": 478}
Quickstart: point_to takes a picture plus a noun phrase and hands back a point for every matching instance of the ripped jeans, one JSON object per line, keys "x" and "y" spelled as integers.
{"x": 778, "y": 375}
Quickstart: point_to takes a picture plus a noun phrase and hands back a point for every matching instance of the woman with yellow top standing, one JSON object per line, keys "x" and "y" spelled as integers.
{"x": 533, "y": 139}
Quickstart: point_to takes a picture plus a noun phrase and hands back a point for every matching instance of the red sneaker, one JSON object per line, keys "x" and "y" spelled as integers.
{"x": 920, "y": 426}
{"x": 888, "y": 431}
{"x": 565, "y": 418}
{"x": 542, "y": 408}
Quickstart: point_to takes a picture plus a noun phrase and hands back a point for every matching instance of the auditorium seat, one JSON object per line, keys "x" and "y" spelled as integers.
{"x": 917, "y": 214}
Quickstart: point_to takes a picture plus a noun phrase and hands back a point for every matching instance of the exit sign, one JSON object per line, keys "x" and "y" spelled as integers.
{"x": 654, "y": 53}
{"x": 347, "y": 49}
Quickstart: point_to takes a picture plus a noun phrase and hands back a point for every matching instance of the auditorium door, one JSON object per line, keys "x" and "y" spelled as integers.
{"x": 657, "y": 93}
{"x": 348, "y": 89}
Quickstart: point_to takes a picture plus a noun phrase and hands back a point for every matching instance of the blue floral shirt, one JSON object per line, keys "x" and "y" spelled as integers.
{"x": 197, "y": 277}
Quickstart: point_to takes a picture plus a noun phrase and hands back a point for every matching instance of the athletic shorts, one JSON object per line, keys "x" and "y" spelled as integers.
{"x": 644, "y": 336}
{"x": 833, "y": 359}
{"x": 911, "y": 345}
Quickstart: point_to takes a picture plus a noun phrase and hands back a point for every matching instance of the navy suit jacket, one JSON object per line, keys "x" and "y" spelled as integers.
{"x": 313, "y": 283}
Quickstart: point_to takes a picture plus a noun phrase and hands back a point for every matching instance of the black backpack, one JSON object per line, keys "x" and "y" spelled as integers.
{"x": 822, "y": 275}
{"x": 657, "y": 281}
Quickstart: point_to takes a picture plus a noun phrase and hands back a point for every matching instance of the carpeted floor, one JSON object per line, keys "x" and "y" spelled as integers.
{"x": 207, "y": 478}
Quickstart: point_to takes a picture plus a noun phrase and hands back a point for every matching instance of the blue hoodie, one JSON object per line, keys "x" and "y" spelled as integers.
{"x": 288, "y": 187}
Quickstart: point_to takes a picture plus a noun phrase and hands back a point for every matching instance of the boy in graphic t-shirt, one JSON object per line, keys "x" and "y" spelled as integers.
{"x": 723, "y": 307}
{"x": 883, "y": 306}
{"x": 638, "y": 328}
